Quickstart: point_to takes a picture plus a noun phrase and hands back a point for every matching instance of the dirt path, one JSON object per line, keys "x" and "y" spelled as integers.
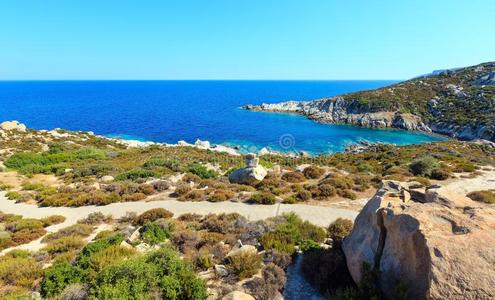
{"x": 318, "y": 215}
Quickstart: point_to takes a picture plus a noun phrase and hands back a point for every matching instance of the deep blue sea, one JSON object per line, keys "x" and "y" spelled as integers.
{"x": 169, "y": 111}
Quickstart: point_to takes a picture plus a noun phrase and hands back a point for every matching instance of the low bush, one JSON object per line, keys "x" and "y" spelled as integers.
{"x": 347, "y": 194}
{"x": 244, "y": 265}
{"x": 339, "y": 229}
{"x": 423, "y": 166}
{"x": 146, "y": 189}
{"x": 76, "y": 230}
{"x": 158, "y": 274}
{"x": 18, "y": 270}
{"x": 194, "y": 195}
{"x": 274, "y": 276}
{"x": 52, "y": 220}
{"x": 290, "y": 232}
{"x": 182, "y": 189}
{"x": 221, "y": 223}
{"x": 325, "y": 191}
{"x": 136, "y": 174}
{"x": 57, "y": 278}
{"x": 293, "y": 177}
{"x": 263, "y": 198}
{"x": 161, "y": 185}
{"x": 281, "y": 259}
{"x": 313, "y": 172}
{"x": 221, "y": 195}
{"x": 483, "y": 196}
{"x": 303, "y": 195}
{"x": 95, "y": 218}
{"x": 64, "y": 244}
{"x": 133, "y": 197}
{"x": 13, "y": 195}
{"x": 153, "y": 215}
{"x": 152, "y": 233}
{"x": 440, "y": 174}
{"x": 340, "y": 182}
{"x": 202, "y": 171}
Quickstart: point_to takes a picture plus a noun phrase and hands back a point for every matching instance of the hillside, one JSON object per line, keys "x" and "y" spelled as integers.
{"x": 459, "y": 103}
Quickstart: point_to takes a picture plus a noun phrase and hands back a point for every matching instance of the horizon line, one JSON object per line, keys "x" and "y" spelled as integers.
{"x": 219, "y": 79}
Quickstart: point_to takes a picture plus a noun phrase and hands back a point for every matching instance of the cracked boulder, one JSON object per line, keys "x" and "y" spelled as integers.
{"x": 436, "y": 245}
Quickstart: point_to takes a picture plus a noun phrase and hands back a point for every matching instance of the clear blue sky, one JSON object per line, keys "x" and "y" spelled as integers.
{"x": 241, "y": 39}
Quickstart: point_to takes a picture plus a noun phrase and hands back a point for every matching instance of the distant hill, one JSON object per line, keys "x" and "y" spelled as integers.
{"x": 457, "y": 102}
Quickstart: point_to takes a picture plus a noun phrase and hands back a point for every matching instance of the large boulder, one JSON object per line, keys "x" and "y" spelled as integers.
{"x": 251, "y": 174}
{"x": 13, "y": 125}
{"x": 439, "y": 245}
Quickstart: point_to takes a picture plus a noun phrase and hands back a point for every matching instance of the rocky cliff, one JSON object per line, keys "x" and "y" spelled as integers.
{"x": 436, "y": 244}
{"x": 459, "y": 103}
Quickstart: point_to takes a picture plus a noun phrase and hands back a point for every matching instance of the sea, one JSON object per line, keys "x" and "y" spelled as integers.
{"x": 170, "y": 111}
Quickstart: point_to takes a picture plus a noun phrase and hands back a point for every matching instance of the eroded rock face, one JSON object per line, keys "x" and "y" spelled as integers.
{"x": 251, "y": 174}
{"x": 440, "y": 247}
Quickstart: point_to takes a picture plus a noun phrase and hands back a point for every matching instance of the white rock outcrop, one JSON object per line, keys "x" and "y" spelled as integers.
{"x": 13, "y": 125}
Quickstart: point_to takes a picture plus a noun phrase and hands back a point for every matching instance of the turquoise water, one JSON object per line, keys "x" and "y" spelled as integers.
{"x": 169, "y": 111}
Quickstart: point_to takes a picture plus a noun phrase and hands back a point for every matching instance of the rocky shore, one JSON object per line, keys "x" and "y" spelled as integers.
{"x": 459, "y": 104}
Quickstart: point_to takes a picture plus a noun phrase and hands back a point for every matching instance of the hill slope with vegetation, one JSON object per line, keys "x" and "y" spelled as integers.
{"x": 459, "y": 103}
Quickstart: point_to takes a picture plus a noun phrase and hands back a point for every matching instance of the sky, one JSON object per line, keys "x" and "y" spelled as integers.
{"x": 241, "y": 39}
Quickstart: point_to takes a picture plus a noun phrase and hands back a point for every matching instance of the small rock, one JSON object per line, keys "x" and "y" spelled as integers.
{"x": 107, "y": 178}
{"x": 221, "y": 270}
{"x": 134, "y": 236}
{"x": 126, "y": 245}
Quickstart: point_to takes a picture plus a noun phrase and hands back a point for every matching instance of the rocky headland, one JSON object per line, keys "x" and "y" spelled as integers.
{"x": 459, "y": 103}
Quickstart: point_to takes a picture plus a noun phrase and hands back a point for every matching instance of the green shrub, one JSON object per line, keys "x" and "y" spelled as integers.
{"x": 423, "y": 166}
{"x": 83, "y": 259}
{"x": 303, "y": 195}
{"x": 293, "y": 177}
{"x": 290, "y": 232}
{"x": 52, "y": 220}
{"x": 4, "y": 186}
{"x": 325, "y": 190}
{"x": 483, "y": 196}
{"x": 339, "y": 229}
{"x": 264, "y": 198}
{"x": 136, "y": 174}
{"x": 18, "y": 270}
{"x": 153, "y": 215}
{"x": 221, "y": 196}
{"x": 57, "y": 277}
{"x": 244, "y": 264}
{"x": 152, "y": 233}
{"x": 347, "y": 194}
{"x": 13, "y": 195}
{"x": 64, "y": 244}
{"x": 76, "y": 230}
{"x": 160, "y": 272}
{"x": 105, "y": 257}
{"x": 202, "y": 171}
{"x": 341, "y": 182}
{"x": 313, "y": 172}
